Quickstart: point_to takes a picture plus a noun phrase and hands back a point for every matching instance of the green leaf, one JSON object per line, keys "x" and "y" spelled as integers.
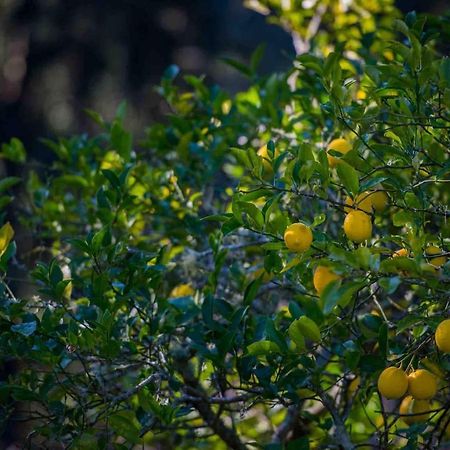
{"x": 401, "y": 218}
{"x": 296, "y": 336}
{"x": 101, "y": 239}
{"x": 254, "y": 216}
{"x": 217, "y": 217}
{"x": 273, "y": 246}
{"x": 256, "y": 57}
{"x": 121, "y": 140}
{"x": 252, "y": 290}
{"x": 14, "y": 151}
{"x": 274, "y": 335}
{"x": 25, "y": 328}
{"x": 124, "y": 424}
{"x": 263, "y": 347}
{"x": 319, "y": 219}
{"x": 95, "y": 116}
{"x": 308, "y": 328}
{"x": 335, "y": 295}
{"x": 349, "y": 177}
{"x": 9, "y": 182}
{"x": 71, "y": 180}
{"x": 390, "y": 284}
{"x": 55, "y": 274}
{"x": 112, "y": 178}
{"x": 238, "y": 66}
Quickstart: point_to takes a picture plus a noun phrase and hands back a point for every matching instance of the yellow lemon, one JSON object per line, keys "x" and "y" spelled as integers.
{"x": 439, "y": 260}
{"x": 442, "y": 336}
{"x": 393, "y": 383}
{"x": 323, "y": 275}
{"x": 379, "y": 200}
{"x": 338, "y": 145}
{"x": 402, "y": 253}
{"x": 182, "y": 290}
{"x": 362, "y": 202}
{"x": 298, "y": 237}
{"x": 422, "y": 384}
{"x": 409, "y": 405}
{"x": 357, "y": 226}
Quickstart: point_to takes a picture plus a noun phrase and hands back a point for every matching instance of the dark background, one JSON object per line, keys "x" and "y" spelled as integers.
{"x": 60, "y": 56}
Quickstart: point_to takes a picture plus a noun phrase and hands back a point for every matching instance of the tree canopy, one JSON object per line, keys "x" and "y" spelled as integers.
{"x": 263, "y": 270}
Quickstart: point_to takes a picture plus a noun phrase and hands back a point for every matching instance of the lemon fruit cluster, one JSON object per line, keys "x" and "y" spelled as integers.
{"x": 298, "y": 237}
{"x": 420, "y": 385}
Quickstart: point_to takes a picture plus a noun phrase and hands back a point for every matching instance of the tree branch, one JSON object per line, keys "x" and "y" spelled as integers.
{"x": 340, "y": 431}
{"x": 202, "y": 405}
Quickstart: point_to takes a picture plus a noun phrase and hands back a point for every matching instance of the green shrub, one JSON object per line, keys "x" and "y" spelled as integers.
{"x": 170, "y": 311}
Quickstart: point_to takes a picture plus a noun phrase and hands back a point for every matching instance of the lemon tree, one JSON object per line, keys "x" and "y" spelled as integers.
{"x": 262, "y": 270}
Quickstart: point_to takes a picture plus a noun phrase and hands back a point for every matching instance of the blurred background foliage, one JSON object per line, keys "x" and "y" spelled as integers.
{"x": 58, "y": 57}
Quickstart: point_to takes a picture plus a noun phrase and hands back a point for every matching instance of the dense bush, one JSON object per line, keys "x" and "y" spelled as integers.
{"x": 177, "y": 306}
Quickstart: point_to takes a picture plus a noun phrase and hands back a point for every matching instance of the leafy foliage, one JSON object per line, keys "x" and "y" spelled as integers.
{"x": 170, "y": 311}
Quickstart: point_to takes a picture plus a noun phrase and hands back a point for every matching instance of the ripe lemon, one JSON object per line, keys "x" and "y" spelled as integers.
{"x": 393, "y": 383}
{"x": 439, "y": 260}
{"x": 323, "y": 275}
{"x": 379, "y": 200}
{"x": 442, "y": 336}
{"x": 357, "y": 226}
{"x": 298, "y": 237}
{"x": 403, "y": 252}
{"x": 362, "y": 202}
{"x": 410, "y": 405}
{"x": 422, "y": 384}
{"x": 338, "y": 145}
{"x": 182, "y": 290}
